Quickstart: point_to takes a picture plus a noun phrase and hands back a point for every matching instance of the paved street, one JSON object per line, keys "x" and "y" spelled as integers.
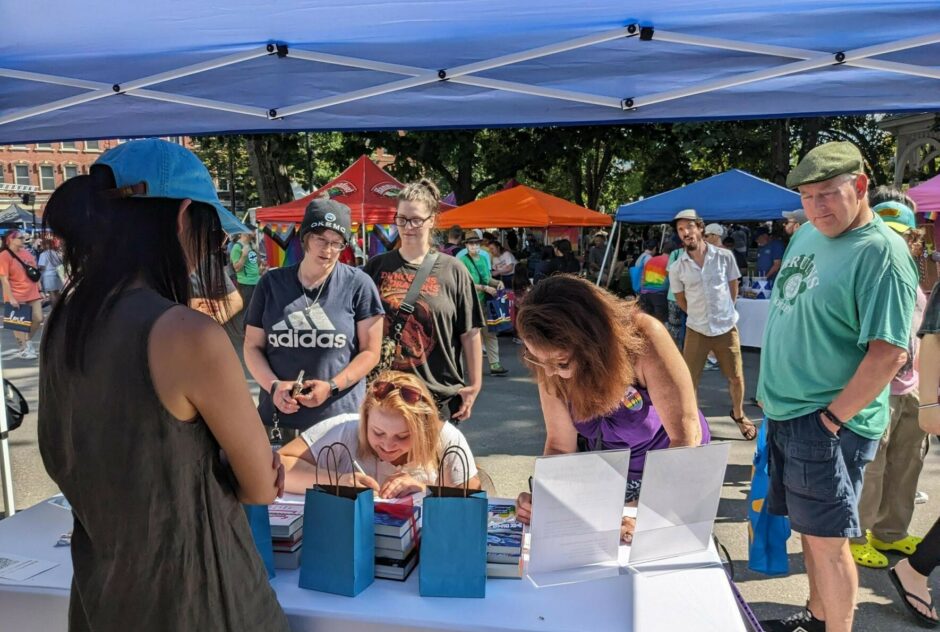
{"x": 506, "y": 433}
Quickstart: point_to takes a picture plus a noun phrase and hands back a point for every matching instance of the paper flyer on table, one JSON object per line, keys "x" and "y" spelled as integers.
{"x": 577, "y": 504}
{"x": 14, "y": 568}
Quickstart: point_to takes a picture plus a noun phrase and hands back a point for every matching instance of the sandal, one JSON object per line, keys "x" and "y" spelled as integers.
{"x": 866, "y": 555}
{"x": 924, "y": 620}
{"x": 907, "y": 545}
{"x": 745, "y": 425}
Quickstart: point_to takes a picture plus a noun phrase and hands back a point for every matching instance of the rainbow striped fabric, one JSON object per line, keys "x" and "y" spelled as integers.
{"x": 654, "y": 277}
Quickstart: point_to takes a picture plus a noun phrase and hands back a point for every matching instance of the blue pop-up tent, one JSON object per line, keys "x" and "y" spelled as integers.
{"x": 732, "y": 196}
{"x": 104, "y": 69}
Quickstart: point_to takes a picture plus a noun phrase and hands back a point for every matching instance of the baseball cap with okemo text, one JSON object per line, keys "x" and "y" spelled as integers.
{"x": 160, "y": 169}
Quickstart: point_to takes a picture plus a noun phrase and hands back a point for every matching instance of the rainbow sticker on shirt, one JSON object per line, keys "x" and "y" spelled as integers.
{"x": 632, "y": 400}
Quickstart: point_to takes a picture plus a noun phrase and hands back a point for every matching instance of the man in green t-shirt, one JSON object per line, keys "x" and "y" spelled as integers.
{"x": 837, "y": 334}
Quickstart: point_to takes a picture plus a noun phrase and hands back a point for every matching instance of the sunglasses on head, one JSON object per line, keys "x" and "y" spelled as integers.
{"x": 383, "y": 389}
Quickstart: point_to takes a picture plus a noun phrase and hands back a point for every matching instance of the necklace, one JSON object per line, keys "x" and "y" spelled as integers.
{"x": 319, "y": 292}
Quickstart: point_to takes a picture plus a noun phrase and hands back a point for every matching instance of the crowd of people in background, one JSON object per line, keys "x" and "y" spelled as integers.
{"x": 387, "y": 357}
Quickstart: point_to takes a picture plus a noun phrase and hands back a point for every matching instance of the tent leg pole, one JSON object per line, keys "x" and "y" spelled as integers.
{"x": 613, "y": 235}
{"x": 613, "y": 257}
{"x": 6, "y": 469}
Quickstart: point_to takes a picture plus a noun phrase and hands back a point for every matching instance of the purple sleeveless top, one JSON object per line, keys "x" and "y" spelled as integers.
{"x": 635, "y": 425}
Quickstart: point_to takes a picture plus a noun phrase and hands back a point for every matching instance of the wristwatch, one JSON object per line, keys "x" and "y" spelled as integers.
{"x": 334, "y": 389}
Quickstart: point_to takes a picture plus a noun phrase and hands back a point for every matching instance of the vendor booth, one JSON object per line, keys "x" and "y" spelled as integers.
{"x": 97, "y": 69}
{"x": 521, "y": 207}
{"x": 732, "y": 196}
{"x": 369, "y": 192}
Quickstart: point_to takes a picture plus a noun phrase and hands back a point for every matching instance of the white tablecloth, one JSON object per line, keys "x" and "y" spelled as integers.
{"x": 753, "y": 318}
{"x": 689, "y": 593}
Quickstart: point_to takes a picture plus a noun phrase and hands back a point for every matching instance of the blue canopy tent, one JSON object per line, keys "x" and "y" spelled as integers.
{"x": 99, "y": 69}
{"x": 732, "y": 196}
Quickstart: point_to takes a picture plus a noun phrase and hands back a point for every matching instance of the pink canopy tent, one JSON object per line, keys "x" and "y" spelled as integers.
{"x": 927, "y": 195}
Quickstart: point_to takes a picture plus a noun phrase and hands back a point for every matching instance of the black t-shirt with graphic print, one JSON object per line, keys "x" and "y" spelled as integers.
{"x": 446, "y": 309}
{"x": 316, "y": 335}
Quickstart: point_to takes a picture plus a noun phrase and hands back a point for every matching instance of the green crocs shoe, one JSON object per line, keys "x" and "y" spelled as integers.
{"x": 907, "y": 545}
{"x": 866, "y": 555}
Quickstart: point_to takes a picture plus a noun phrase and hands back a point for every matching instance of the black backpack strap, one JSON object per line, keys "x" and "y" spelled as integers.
{"x": 407, "y": 307}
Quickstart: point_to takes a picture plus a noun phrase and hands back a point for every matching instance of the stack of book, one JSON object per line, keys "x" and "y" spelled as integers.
{"x": 504, "y": 537}
{"x": 287, "y": 532}
{"x": 397, "y": 530}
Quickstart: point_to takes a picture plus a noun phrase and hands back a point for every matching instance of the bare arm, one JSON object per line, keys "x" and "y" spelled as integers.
{"x": 221, "y": 311}
{"x": 669, "y": 384}
{"x": 733, "y": 288}
{"x": 255, "y": 358}
{"x": 8, "y": 291}
{"x": 680, "y": 301}
{"x": 239, "y": 263}
{"x": 929, "y": 382}
{"x": 369, "y": 333}
{"x": 210, "y": 383}
{"x": 560, "y": 434}
{"x": 302, "y": 473}
{"x": 879, "y": 366}
{"x": 774, "y": 269}
{"x": 472, "y": 346}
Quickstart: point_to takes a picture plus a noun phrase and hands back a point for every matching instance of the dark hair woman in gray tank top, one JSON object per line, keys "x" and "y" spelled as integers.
{"x": 145, "y": 421}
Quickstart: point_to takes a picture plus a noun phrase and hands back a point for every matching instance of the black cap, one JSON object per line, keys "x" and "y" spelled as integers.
{"x": 327, "y": 213}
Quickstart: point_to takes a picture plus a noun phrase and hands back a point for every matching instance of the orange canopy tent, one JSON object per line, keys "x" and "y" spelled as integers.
{"x": 520, "y": 207}
{"x": 368, "y": 191}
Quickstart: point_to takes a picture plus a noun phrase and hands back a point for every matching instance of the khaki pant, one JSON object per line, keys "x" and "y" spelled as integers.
{"x": 890, "y": 482}
{"x": 726, "y": 347}
{"x": 491, "y": 343}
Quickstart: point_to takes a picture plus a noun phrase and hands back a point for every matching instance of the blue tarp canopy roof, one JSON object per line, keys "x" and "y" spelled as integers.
{"x": 730, "y": 196}
{"x": 101, "y": 69}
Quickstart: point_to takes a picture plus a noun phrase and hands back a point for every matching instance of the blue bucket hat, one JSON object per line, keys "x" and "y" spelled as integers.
{"x": 159, "y": 169}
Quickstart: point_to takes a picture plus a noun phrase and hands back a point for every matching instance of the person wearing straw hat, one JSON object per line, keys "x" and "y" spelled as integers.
{"x": 485, "y": 285}
{"x": 836, "y": 335}
{"x": 704, "y": 279}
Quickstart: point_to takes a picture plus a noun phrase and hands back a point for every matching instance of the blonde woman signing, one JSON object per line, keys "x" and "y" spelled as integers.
{"x": 397, "y": 441}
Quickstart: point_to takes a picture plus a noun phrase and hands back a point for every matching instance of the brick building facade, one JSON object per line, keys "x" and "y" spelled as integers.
{"x": 47, "y": 165}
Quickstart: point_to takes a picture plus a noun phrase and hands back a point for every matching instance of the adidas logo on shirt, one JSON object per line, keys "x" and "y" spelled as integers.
{"x": 306, "y": 329}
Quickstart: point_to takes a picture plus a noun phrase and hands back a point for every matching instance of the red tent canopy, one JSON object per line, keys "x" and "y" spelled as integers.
{"x": 364, "y": 187}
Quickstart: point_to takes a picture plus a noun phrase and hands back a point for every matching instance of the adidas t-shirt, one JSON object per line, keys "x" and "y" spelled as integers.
{"x": 345, "y": 429}
{"x": 316, "y": 335}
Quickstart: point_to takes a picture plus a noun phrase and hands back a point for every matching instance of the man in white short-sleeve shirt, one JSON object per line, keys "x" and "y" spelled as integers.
{"x": 704, "y": 280}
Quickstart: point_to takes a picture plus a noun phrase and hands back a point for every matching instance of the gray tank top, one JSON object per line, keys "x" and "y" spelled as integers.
{"x": 160, "y": 541}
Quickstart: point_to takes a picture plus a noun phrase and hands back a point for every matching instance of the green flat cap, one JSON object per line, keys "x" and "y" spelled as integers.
{"x": 825, "y": 162}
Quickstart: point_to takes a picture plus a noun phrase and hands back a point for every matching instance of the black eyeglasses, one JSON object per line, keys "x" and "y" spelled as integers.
{"x": 409, "y": 394}
{"x": 411, "y": 222}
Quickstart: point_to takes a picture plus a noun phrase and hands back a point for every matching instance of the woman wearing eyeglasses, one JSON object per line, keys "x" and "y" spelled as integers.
{"x": 447, "y": 317}
{"x": 609, "y": 377}
{"x": 396, "y": 440}
{"x": 319, "y": 317}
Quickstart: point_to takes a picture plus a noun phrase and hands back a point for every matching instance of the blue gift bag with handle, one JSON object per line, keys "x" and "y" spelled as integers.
{"x": 453, "y": 538}
{"x": 260, "y": 525}
{"x": 498, "y": 314}
{"x": 338, "y": 554}
{"x": 767, "y": 533}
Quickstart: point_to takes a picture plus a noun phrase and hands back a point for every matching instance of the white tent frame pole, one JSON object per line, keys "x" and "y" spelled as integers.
{"x": 6, "y": 467}
{"x": 610, "y": 240}
{"x": 454, "y": 73}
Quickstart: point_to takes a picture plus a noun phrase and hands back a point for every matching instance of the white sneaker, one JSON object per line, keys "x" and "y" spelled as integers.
{"x": 29, "y": 353}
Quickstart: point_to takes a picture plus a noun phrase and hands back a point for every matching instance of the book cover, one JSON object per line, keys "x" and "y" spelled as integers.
{"x": 388, "y": 568}
{"x": 402, "y": 543}
{"x": 395, "y": 526}
{"x": 505, "y": 571}
{"x": 287, "y": 561}
{"x": 285, "y": 519}
{"x": 393, "y": 554}
{"x": 510, "y": 543}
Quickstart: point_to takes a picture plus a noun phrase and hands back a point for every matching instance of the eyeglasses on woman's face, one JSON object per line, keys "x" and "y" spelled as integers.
{"x": 409, "y": 394}
{"x": 411, "y": 222}
{"x": 328, "y": 244}
{"x": 552, "y": 366}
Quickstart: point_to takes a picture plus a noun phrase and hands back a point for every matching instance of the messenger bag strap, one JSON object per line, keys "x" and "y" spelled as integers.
{"x": 407, "y": 307}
